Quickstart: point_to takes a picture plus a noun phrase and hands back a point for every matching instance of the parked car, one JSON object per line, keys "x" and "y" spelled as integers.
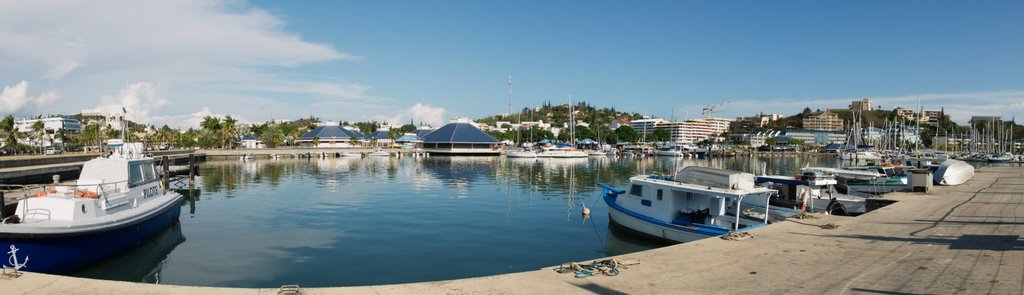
{"x": 52, "y": 151}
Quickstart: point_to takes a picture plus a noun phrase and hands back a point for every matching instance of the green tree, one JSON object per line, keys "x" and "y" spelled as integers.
{"x": 627, "y": 134}
{"x": 229, "y": 132}
{"x": 316, "y": 141}
{"x": 290, "y": 132}
{"x": 610, "y": 137}
{"x": 407, "y": 128}
{"x": 661, "y": 135}
{"x": 583, "y": 132}
{"x": 272, "y": 136}
{"x": 39, "y": 133}
{"x": 9, "y": 132}
{"x": 772, "y": 141}
{"x": 394, "y": 134}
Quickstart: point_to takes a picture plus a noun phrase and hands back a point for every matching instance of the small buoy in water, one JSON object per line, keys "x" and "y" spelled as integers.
{"x": 586, "y": 211}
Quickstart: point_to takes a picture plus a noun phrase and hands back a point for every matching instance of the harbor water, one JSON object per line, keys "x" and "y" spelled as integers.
{"x": 367, "y": 221}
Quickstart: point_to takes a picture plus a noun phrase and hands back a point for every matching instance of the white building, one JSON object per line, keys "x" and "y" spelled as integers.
{"x": 50, "y": 126}
{"x": 251, "y": 142}
{"x": 539, "y": 124}
{"x": 695, "y": 130}
{"x": 646, "y": 126}
{"x": 755, "y": 140}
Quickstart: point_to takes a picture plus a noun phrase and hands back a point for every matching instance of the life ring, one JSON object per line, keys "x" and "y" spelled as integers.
{"x": 41, "y": 194}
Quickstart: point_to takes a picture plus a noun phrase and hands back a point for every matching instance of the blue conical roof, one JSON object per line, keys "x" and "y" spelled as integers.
{"x": 379, "y": 135}
{"x": 459, "y": 132}
{"x": 330, "y": 132}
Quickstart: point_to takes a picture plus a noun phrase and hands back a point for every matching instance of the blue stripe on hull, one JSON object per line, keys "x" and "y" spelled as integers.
{"x": 62, "y": 255}
{"x": 697, "y": 228}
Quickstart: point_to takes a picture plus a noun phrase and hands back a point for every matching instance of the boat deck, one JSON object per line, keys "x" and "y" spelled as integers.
{"x": 963, "y": 239}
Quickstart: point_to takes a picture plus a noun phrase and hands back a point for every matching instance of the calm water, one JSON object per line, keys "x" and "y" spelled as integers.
{"x": 343, "y": 222}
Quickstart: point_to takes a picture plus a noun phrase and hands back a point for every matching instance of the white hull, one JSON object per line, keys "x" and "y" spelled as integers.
{"x": 877, "y": 188}
{"x": 521, "y": 154}
{"x": 653, "y": 230}
{"x": 852, "y": 204}
{"x": 462, "y": 151}
{"x": 861, "y": 156}
{"x": 671, "y": 154}
{"x": 560, "y": 154}
{"x": 953, "y": 172}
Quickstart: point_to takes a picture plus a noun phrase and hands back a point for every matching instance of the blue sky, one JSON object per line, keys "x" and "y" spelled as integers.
{"x": 433, "y": 60}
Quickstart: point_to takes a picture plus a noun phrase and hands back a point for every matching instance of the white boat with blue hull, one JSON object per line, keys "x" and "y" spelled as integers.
{"x": 117, "y": 202}
{"x": 697, "y": 203}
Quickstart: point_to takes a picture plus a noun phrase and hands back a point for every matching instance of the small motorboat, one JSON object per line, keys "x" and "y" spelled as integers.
{"x": 696, "y": 203}
{"x": 117, "y": 202}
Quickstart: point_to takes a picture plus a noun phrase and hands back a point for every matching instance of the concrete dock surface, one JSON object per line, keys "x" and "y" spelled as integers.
{"x": 955, "y": 240}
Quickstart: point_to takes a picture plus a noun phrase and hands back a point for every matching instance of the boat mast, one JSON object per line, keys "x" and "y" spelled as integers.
{"x": 519, "y": 116}
{"x": 572, "y": 123}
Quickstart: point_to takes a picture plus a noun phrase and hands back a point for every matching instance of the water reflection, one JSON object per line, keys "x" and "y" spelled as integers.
{"x": 143, "y": 264}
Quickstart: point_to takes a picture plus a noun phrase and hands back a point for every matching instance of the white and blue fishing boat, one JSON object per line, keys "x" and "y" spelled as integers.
{"x": 697, "y": 203}
{"x": 811, "y": 191}
{"x": 117, "y": 202}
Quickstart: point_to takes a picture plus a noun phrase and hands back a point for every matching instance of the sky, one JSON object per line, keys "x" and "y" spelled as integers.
{"x": 173, "y": 62}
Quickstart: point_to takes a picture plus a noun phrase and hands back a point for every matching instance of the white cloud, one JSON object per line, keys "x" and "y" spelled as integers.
{"x": 47, "y": 99}
{"x": 15, "y": 98}
{"x": 433, "y": 116}
{"x": 200, "y": 52}
{"x": 191, "y": 120}
{"x": 138, "y": 99}
{"x": 61, "y": 69}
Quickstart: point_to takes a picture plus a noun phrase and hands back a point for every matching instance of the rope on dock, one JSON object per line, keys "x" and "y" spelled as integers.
{"x": 829, "y": 226}
{"x": 609, "y": 267}
{"x": 805, "y": 216}
{"x": 737, "y": 236}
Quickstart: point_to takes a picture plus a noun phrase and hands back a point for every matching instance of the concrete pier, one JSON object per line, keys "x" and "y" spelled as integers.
{"x": 963, "y": 239}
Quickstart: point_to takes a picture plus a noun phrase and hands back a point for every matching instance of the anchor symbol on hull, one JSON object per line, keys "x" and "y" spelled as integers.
{"x": 14, "y": 260}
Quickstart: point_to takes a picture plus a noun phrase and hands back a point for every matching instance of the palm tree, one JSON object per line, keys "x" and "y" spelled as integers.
{"x": 229, "y": 133}
{"x": 9, "y": 132}
{"x": 316, "y": 141}
{"x": 38, "y": 133}
{"x": 394, "y": 133}
{"x": 211, "y": 133}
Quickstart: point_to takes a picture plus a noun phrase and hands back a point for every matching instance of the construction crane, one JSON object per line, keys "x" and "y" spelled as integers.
{"x": 710, "y": 109}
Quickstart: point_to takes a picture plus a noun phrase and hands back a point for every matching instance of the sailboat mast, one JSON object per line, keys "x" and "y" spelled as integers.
{"x": 510, "y": 97}
{"x": 572, "y": 123}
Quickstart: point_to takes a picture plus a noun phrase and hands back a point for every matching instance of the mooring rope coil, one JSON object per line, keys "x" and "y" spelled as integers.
{"x": 609, "y": 267}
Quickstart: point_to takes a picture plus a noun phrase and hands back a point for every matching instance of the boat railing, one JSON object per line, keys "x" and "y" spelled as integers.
{"x": 89, "y": 190}
{"x": 24, "y": 190}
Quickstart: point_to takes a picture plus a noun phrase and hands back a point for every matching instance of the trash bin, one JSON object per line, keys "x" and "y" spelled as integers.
{"x": 920, "y": 180}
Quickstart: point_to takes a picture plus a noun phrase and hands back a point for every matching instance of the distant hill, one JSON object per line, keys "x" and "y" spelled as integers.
{"x": 876, "y": 118}
{"x": 557, "y": 115}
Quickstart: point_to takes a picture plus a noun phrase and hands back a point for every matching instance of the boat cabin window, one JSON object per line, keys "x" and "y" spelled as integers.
{"x": 135, "y": 175}
{"x": 659, "y": 194}
{"x": 636, "y": 190}
{"x": 148, "y": 172}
